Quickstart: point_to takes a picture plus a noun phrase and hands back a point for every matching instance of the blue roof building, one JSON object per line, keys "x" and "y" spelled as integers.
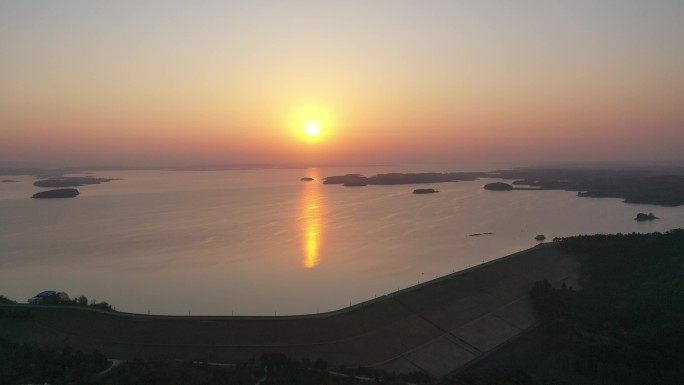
{"x": 48, "y": 296}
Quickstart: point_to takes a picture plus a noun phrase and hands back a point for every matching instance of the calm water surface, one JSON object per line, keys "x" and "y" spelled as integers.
{"x": 261, "y": 242}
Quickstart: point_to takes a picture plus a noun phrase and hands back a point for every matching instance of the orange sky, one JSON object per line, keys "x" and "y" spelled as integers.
{"x": 391, "y": 81}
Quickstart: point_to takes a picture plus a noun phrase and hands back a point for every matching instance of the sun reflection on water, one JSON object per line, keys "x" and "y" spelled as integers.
{"x": 311, "y": 220}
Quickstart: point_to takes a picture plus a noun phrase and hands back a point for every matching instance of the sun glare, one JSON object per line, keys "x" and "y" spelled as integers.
{"x": 312, "y": 123}
{"x": 312, "y": 129}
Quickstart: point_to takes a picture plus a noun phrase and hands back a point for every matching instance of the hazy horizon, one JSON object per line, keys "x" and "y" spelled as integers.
{"x": 384, "y": 82}
{"x": 402, "y": 167}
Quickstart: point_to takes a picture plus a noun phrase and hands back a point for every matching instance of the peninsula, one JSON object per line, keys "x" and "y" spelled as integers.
{"x": 656, "y": 186}
{"x": 409, "y": 178}
{"x": 70, "y": 181}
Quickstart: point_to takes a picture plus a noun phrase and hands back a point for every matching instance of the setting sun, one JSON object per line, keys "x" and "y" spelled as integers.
{"x": 312, "y": 129}
{"x": 312, "y": 122}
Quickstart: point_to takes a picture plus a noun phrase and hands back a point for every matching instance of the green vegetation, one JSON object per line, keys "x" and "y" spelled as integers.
{"x": 369, "y": 375}
{"x": 270, "y": 369}
{"x": 15, "y": 313}
{"x": 62, "y": 298}
{"x": 285, "y": 370}
{"x": 499, "y": 376}
{"x": 12, "y": 313}
{"x": 626, "y": 326}
{"x": 28, "y": 364}
{"x": 4, "y": 299}
{"x": 83, "y": 301}
{"x": 168, "y": 372}
{"x": 21, "y": 364}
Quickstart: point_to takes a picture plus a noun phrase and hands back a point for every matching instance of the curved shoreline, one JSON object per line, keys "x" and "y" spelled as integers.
{"x": 326, "y": 314}
{"x": 437, "y": 326}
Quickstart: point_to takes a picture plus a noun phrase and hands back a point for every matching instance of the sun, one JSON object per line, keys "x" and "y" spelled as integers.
{"x": 312, "y": 129}
{"x": 313, "y": 123}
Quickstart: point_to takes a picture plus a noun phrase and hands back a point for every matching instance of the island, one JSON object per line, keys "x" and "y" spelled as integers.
{"x": 641, "y": 217}
{"x": 498, "y": 186}
{"x": 307, "y": 179}
{"x": 425, "y": 191}
{"x": 57, "y": 193}
{"x": 663, "y": 186}
{"x": 405, "y": 178}
{"x": 70, "y": 181}
{"x": 9, "y": 181}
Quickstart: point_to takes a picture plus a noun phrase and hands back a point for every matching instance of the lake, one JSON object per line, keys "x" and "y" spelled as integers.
{"x": 262, "y": 242}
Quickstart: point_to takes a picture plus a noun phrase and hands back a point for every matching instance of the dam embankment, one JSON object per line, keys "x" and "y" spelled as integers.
{"x": 438, "y": 326}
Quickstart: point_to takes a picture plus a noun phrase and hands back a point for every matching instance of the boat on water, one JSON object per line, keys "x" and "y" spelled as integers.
{"x": 540, "y": 237}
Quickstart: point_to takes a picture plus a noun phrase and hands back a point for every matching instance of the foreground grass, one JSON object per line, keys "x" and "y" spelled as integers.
{"x": 28, "y": 364}
{"x": 627, "y": 324}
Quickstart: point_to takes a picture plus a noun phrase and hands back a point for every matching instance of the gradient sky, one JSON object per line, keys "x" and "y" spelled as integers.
{"x": 175, "y": 82}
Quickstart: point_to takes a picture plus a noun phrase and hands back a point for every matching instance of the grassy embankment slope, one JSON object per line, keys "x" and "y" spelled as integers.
{"x": 626, "y": 325}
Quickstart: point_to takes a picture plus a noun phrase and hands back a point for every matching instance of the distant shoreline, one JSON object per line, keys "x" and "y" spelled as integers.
{"x": 633, "y": 186}
{"x": 661, "y": 186}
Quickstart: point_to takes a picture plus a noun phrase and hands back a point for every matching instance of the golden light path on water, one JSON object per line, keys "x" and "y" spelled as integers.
{"x": 311, "y": 220}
